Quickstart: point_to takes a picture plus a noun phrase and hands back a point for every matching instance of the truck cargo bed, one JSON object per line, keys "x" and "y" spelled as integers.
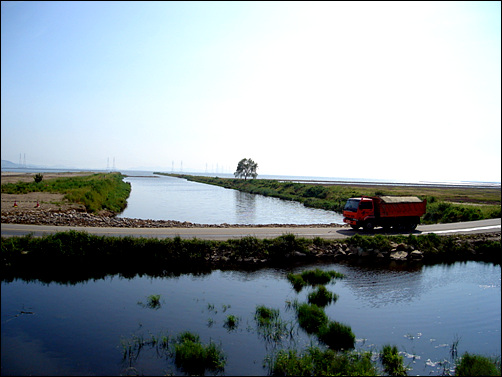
{"x": 392, "y": 206}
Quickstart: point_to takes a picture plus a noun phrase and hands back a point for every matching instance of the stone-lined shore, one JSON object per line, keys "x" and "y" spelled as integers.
{"x": 79, "y": 218}
{"x": 328, "y": 251}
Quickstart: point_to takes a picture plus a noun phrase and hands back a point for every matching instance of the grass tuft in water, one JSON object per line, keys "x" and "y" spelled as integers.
{"x": 231, "y": 322}
{"x": 322, "y": 297}
{"x": 311, "y": 317}
{"x": 317, "y": 362}
{"x": 193, "y": 357}
{"x": 270, "y": 325}
{"x": 312, "y": 277}
{"x": 153, "y": 302}
{"x": 337, "y": 336}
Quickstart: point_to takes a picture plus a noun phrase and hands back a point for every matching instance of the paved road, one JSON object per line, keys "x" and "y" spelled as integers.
{"x": 482, "y": 226}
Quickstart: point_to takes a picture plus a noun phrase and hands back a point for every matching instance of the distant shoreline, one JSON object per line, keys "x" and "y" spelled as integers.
{"x": 280, "y": 178}
{"x": 377, "y": 184}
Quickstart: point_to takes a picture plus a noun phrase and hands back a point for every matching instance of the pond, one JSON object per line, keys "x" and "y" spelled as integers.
{"x": 168, "y": 198}
{"x": 82, "y": 329}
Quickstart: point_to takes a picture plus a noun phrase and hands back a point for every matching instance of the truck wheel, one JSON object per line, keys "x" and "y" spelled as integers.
{"x": 355, "y": 227}
{"x": 397, "y": 227}
{"x": 368, "y": 225}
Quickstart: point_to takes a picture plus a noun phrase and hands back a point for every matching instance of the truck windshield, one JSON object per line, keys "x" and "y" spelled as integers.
{"x": 352, "y": 205}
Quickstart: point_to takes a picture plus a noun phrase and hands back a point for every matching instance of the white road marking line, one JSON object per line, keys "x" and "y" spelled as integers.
{"x": 464, "y": 230}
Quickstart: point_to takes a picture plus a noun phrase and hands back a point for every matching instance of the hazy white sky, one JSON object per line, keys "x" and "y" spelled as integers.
{"x": 391, "y": 90}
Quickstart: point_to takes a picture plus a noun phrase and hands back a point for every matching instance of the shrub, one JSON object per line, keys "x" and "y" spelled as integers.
{"x": 392, "y": 361}
{"x": 285, "y": 244}
{"x": 38, "y": 177}
{"x": 477, "y": 365}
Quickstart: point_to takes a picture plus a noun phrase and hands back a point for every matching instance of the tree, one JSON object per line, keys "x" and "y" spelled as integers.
{"x": 246, "y": 168}
{"x": 38, "y": 177}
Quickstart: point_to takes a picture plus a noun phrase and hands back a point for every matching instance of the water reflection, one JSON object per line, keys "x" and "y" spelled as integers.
{"x": 385, "y": 287}
{"x": 169, "y": 198}
{"x": 245, "y": 207}
{"x": 394, "y": 306}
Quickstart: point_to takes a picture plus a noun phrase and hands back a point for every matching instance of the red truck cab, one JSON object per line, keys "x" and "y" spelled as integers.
{"x": 357, "y": 211}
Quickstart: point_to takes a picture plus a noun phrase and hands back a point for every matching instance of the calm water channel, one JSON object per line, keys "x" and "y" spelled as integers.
{"x": 57, "y": 329}
{"x": 167, "y": 198}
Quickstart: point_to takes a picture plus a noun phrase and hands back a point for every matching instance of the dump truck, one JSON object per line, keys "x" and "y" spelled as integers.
{"x": 398, "y": 212}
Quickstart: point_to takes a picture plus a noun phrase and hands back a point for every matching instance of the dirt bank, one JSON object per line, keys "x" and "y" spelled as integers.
{"x": 43, "y": 201}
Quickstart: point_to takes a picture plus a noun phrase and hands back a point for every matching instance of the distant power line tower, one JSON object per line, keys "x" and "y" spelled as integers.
{"x": 113, "y": 164}
{"x": 108, "y": 163}
{"x": 24, "y": 161}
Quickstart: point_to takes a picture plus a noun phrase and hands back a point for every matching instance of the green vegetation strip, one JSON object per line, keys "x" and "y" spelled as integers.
{"x": 444, "y": 204}
{"x": 96, "y": 191}
{"x": 75, "y": 256}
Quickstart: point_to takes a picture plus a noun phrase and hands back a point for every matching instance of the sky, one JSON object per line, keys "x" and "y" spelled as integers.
{"x": 381, "y": 90}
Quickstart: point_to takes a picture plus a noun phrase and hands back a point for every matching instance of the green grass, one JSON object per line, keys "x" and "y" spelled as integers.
{"x": 392, "y": 362}
{"x": 266, "y": 316}
{"x": 312, "y": 277}
{"x": 337, "y": 336}
{"x": 318, "y": 362}
{"x": 321, "y": 297}
{"x": 231, "y": 322}
{"x": 96, "y": 191}
{"x": 440, "y": 207}
{"x": 271, "y": 327}
{"x": 193, "y": 357}
{"x": 73, "y": 256}
{"x": 153, "y": 301}
{"x": 477, "y": 365}
{"x": 311, "y": 317}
